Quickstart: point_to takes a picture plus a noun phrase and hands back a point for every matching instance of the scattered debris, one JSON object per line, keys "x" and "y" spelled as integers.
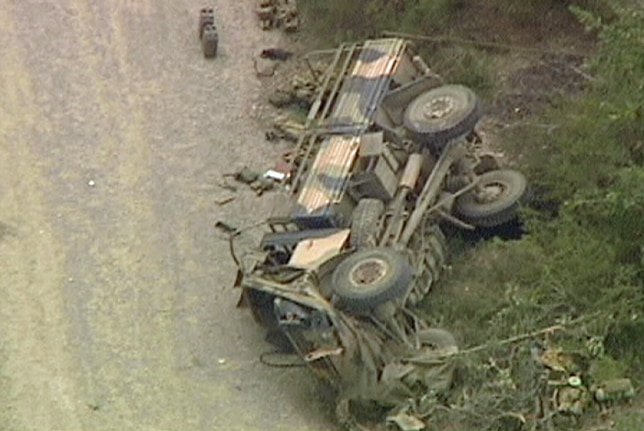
{"x": 276, "y": 54}
{"x": 299, "y": 92}
{"x": 225, "y": 227}
{"x": 244, "y": 175}
{"x": 565, "y": 362}
{"x": 258, "y": 183}
{"x": 613, "y": 390}
{"x": 225, "y": 200}
{"x": 286, "y": 127}
{"x": 406, "y": 422}
{"x": 570, "y": 377}
{"x": 227, "y": 186}
{"x": 266, "y": 14}
{"x": 208, "y": 32}
{"x": 210, "y": 41}
{"x": 571, "y": 397}
{"x": 263, "y": 184}
{"x": 206, "y": 18}
{"x": 281, "y": 98}
{"x": 264, "y": 68}
{"x": 281, "y": 14}
{"x": 276, "y": 175}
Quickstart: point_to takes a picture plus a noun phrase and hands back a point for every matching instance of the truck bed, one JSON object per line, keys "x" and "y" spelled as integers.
{"x": 363, "y": 89}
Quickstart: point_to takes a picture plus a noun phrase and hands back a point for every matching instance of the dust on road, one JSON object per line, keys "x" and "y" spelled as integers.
{"x": 117, "y": 311}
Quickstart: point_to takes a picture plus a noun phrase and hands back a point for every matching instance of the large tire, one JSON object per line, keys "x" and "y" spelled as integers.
{"x": 370, "y": 277}
{"x": 441, "y": 114}
{"x": 495, "y": 200}
{"x": 365, "y": 222}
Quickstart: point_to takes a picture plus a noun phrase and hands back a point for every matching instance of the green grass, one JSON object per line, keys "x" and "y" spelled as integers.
{"x": 581, "y": 262}
{"x": 631, "y": 419}
{"x": 464, "y": 65}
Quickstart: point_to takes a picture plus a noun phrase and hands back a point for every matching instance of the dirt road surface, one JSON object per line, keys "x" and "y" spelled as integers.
{"x": 116, "y": 307}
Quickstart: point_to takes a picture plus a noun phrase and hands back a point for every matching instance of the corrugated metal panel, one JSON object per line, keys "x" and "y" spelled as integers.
{"x": 363, "y": 89}
{"x": 330, "y": 172}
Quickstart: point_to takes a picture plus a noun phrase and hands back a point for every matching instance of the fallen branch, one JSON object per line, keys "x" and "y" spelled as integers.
{"x": 459, "y": 41}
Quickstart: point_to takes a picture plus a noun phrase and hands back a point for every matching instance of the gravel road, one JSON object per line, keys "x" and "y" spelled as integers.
{"x": 116, "y": 308}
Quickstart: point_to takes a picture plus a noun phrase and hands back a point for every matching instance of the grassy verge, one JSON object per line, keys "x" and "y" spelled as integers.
{"x": 580, "y": 265}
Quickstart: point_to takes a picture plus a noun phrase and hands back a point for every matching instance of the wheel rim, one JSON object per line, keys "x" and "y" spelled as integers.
{"x": 368, "y": 272}
{"x": 492, "y": 192}
{"x": 438, "y": 108}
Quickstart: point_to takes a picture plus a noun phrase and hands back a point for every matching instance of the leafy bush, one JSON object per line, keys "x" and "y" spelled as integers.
{"x": 428, "y": 16}
{"x": 586, "y": 257}
{"x": 335, "y": 21}
{"x": 592, "y": 164}
{"x": 583, "y": 260}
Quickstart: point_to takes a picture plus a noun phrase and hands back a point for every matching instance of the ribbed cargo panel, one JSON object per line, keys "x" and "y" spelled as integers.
{"x": 328, "y": 175}
{"x": 363, "y": 89}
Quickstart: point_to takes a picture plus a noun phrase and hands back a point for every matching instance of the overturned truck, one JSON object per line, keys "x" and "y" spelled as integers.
{"x": 390, "y": 152}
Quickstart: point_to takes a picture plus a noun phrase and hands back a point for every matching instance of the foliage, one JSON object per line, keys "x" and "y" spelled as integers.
{"x": 582, "y": 261}
{"x": 592, "y": 165}
{"x": 428, "y": 16}
{"x": 464, "y": 65}
{"x": 631, "y": 420}
{"x": 335, "y": 21}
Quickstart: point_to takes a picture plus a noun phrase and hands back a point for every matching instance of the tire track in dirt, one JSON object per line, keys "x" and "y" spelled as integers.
{"x": 125, "y": 339}
{"x": 34, "y": 360}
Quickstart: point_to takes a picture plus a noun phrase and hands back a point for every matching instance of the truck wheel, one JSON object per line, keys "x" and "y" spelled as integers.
{"x": 370, "y": 277}
{"x": 495, "y": 200}
{"x": 442, "y": 114}
{"x": 365, "y": 222}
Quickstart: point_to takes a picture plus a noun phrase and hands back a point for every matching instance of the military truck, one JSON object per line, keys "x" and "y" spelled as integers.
{"x": 389, "y": 153}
